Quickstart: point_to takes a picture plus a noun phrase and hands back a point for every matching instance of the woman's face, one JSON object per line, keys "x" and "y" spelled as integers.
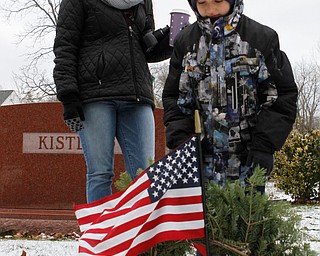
{"x": 213, "y": 8}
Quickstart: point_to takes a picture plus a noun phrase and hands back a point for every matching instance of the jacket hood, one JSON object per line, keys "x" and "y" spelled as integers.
{"x": 234, "y": 4}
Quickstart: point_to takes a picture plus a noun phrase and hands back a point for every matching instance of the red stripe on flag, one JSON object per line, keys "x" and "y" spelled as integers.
{"x": 180, "y": 201}
{"x": 201, "y": 248}
{"x": 165, "y": 236}
{"x": 171, "y": 218}
{"x": 91, "y": 218}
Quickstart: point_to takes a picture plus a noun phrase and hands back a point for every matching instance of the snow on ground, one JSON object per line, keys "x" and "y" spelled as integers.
{"x": 310, "y": 224}
{"x": 310, "y": 217}
{"x": 38, "y": 248}
{"x": 8, "y": 247}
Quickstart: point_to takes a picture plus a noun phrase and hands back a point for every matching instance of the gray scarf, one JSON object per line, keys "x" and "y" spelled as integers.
{"x": 122, "y": 4}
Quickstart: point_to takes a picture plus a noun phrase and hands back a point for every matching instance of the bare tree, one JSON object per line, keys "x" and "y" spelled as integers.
{"x": 307, "y": 75}
{"x": 33, "y": 86}
{"x": 40, "y": 20}
{"x": 32, "y": 82}
{"x": 159, "y": 72}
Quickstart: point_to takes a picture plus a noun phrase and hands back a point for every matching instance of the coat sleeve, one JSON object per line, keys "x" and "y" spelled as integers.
{"x": 274, "y": 123}
{"x": 66, "y": 46}
{"x": 178, "y": 125}
{"x": 162, "y": 50}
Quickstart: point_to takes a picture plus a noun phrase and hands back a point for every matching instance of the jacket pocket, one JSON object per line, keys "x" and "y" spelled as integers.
{"x": 100, "y": 66}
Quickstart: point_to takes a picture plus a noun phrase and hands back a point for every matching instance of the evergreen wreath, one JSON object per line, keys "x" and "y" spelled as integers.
{"x": 241, "y": 221}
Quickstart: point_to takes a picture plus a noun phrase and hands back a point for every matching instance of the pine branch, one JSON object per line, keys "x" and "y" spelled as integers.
{"x": 123, "y": 182}
{"x": 231, "y": 248}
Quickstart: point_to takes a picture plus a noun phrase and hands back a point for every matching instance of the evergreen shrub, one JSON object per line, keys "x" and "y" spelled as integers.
{"x": 297, "y": 166}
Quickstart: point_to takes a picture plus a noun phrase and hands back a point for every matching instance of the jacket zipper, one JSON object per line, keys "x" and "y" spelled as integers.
{"x": 234, "y": 91}
{"x": 132, "y": 62}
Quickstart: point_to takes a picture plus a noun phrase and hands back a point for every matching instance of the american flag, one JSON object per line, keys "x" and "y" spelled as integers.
{"x": 163, "y": 203}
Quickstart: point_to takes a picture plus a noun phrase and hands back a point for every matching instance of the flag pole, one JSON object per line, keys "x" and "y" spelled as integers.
{"x": 197, "y": 124}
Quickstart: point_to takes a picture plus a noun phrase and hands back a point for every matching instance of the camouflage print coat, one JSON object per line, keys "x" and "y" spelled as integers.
{"x": 233, "y": 71}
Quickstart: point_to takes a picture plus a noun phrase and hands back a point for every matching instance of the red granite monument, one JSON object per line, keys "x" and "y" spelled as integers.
{"x": 42, "y": 169}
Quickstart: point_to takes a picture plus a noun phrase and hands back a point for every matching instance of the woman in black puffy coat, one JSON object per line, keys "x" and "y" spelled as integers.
{"x": 102, "y": 49}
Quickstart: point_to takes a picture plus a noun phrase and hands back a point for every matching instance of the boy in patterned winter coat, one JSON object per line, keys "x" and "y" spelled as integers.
{"x": 231, "y": 68}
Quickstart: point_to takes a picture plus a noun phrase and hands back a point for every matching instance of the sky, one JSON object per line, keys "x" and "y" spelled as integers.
{"x": 296, "y": 22}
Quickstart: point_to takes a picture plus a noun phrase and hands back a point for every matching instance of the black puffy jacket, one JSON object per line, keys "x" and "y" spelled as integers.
{"x": 99, "y": 54}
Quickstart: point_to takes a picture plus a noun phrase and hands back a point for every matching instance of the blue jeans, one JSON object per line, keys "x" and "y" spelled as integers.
{"x": 132, "y": 123}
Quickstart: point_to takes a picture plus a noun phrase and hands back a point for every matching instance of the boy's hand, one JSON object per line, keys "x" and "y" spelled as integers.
{"x": 263, "y": 159}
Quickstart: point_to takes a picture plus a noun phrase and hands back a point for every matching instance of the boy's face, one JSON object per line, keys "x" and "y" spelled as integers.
{"x": 213, "y": 8}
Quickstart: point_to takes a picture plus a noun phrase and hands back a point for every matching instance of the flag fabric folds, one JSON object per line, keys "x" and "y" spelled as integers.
{"x": 163, "y": 203}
